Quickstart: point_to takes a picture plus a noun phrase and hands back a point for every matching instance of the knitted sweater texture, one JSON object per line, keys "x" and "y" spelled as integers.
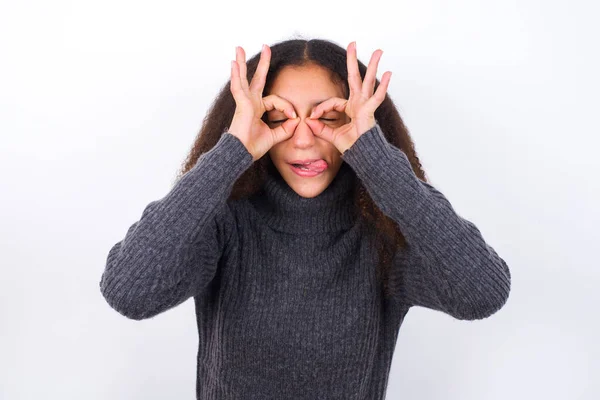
{"x": 285, "y": 290}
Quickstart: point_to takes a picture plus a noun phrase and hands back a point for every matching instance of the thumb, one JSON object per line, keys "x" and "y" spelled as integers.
{"x": 320, "y": 129}
{"x": 285, "y": 130}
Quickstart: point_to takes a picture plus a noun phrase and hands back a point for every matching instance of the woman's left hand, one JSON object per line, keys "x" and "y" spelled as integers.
{"x": 360, "y": 105}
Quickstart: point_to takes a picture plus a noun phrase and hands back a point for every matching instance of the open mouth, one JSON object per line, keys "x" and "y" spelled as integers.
{"x": 309, "y": 169}
{"x": 301, "y": 166}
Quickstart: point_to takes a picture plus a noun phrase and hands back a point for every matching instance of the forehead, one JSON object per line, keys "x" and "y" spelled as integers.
{"x": 305, "y": 84}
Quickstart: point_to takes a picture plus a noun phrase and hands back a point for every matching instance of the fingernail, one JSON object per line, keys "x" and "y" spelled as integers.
{"x": 294, "y": 114}
{"x": 312, "y": 114}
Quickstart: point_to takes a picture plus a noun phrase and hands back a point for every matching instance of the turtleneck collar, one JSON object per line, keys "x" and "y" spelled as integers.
{"x": 285, "y": 210}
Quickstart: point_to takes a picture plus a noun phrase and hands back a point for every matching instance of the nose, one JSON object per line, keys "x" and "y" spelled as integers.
{"x": 303, "y": 135}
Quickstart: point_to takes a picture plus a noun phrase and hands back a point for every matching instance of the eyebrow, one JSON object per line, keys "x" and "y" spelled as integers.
{"x": 313, "y": 104}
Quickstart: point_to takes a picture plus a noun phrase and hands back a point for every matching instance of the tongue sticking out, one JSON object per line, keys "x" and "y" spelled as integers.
{"x": 317, "y": 166}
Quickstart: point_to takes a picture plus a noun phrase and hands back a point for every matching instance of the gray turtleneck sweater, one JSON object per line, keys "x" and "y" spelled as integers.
{"x": 286, "y": 299}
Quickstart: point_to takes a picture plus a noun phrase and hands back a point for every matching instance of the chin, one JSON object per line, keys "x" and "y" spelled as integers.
{"x": 309, "y": 194}
{"x": 308, "y": 187}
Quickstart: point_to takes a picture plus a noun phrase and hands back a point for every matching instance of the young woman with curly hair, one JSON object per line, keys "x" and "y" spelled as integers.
{"x": 304, "y": 228}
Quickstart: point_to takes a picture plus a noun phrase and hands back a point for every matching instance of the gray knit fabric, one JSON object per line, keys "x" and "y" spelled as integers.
{"x": 286, "y": 297}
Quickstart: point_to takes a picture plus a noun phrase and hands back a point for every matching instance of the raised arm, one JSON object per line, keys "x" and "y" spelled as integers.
{"x": 447, "y": 265}
{"x": 172, "y": 252}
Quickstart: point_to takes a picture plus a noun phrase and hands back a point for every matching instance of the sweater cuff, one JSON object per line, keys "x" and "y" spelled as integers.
{"x": 370, "y": 151}
{"x": 230, "y": 152}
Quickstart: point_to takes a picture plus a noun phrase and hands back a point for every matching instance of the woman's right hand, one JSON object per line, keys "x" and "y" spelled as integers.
{"x": 247, "y": 124}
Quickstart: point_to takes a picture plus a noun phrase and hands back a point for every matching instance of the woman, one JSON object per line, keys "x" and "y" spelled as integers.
{"x": 304, "y": 229}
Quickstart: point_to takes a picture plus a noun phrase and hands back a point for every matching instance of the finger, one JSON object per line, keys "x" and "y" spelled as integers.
{"x": 240, "y": 57}
{"x": 260, "y": 76}
{"x": 371, "y": 75}
{"x": 285, "y": 130}
{"x": 235, "y": 85}
{"x": 354, "y": 80}
{"x": 333, "y": 103}
{"x": 274, "y": 102}
{"x": 380, "y": 93}
{"x": 320, "y": 129}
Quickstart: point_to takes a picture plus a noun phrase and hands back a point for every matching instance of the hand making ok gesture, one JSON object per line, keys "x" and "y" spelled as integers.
{"x": 246, "y": 124}
{"x": 360, "y": 106}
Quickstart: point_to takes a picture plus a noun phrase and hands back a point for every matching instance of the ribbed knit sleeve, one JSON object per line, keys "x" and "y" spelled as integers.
{"x": 172, "y": 252}
{"x": 447, "y": 265}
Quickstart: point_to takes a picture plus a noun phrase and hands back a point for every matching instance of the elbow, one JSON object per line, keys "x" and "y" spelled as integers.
{"x": 140, "y": 299}
{"x": 124, "y": 289}
{"x": 486, "y": 296}
{"x": 483, "y": 308}
{"x": 123, "y": 299}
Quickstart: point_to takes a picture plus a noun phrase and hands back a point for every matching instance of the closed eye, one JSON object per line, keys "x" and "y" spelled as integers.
{"x": 323, "y": 119}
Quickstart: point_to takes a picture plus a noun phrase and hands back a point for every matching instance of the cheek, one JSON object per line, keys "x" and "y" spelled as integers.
{"x": 275, "y": 153}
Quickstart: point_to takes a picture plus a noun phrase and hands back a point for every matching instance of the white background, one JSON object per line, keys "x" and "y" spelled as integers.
{"x": 100, "y": 103}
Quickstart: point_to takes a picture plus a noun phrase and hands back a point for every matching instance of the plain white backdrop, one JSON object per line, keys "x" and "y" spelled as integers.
{"x": 100, "y": 102}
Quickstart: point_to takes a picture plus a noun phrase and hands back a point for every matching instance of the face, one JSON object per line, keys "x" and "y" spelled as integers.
{"x": 305, "y": 87}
